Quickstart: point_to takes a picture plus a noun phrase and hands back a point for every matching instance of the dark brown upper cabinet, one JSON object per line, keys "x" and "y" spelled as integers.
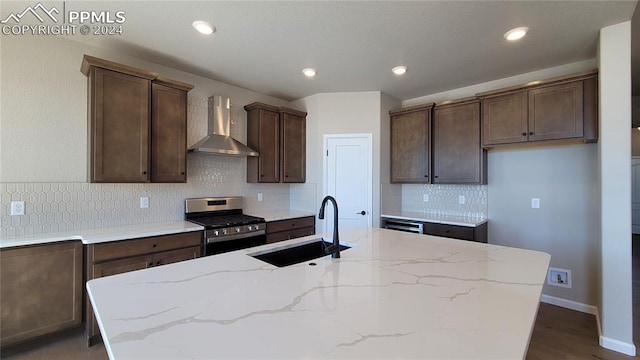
{"x": 555, "y": 109}
{"x": 168, "y": 132}
{"x": 137, "y": 124}
{"x": 279, "y": 136}
{"x": 458, "y": 157}
{"x": 410, "y": 144}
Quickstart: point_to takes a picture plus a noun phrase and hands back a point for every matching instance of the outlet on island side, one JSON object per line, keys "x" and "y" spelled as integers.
{"x": 461, "y": 199}
{"x": 259, "y": 196}
{"x": 559, "y": 277}
{"x": 144, "y": 202}
{"x": 425, "y": 197}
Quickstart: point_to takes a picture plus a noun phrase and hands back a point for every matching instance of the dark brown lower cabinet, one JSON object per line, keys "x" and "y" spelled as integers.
{"x": 478, "y": 233}
{"x": 40, "y": 290}
{"x": 118, "y": 257}
{"x": 290, "y": 229}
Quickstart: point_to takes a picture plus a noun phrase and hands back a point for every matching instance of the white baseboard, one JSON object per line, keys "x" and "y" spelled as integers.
{"x": 605, "y": 342}
{"x": 618, "y": 346}
{"x": 570, "y": 304}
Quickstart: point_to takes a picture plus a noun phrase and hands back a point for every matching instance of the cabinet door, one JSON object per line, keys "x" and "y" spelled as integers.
{"x": 410, "y": 147}
{"x": 40, "y": 291}
{"x": 168, "y": 134}
{"x": 504, "y": 119}
{"x": 556, "y": 112}
{"x": 119, "y": 113}
{"x": 458, "y": 157}
{"x": 293, "y": 148}
{"x": 263, "y": 131}
{"x": 173, "y": 256}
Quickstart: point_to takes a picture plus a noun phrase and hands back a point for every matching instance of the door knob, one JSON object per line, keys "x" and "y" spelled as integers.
{"x": 361, "y": 213}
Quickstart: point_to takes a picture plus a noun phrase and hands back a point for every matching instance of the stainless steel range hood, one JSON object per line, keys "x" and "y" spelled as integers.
{"x": 218, "y": 141}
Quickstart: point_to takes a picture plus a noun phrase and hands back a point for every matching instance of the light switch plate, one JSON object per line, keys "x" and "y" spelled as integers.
{"x": 461, "y": 199}
{"x": 535, "y": 203}
{"x": 259, "y": 196}
{"x": 144, "y": 202}
{"x": 425, "y": 197}
{"x": 17, "y": 208}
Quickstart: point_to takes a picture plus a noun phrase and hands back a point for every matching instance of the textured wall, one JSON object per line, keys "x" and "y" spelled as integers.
{"x": 63, "y": 206}
{"x": 444, "y": 199}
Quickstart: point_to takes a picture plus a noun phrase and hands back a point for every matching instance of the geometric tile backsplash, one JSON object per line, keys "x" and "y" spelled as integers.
{"x": 444, "y": 199}
{"x": 55, "y": 207}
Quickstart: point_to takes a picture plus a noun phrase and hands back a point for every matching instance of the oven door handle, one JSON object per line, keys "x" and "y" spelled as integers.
{"x": 234, "y": 236}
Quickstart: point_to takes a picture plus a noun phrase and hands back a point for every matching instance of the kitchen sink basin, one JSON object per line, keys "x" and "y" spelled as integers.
{"x": 296, "y": 254}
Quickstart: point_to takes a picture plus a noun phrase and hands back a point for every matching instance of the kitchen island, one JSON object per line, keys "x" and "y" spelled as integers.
{"x": 392, "y": 295}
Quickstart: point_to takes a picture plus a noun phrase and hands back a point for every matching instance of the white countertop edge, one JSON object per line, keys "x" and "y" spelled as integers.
{"x": 281, "y": 214}
{"x": 438, "y": 219}
{"x": 101, "y": 235}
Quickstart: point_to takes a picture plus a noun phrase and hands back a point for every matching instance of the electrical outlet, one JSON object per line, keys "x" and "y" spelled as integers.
{"x": 535, "y": 203}
{"x": 144, "y": 202}
{"x": 461, "y": 199}
{"x": 559, "y": 277}
{"x": 425, "y": 197}
{"x": 259, "y": 196}
{"x": 17, "y": 208}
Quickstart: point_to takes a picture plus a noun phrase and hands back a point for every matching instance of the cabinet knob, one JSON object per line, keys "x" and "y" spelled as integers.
{"x": 436, "y": 176}
{"x": 361, "y": 213}
{"x": 150, "y": 264}
{"x": 154, "y": 245}
{"x": 531, "y": 133}
{"x": 286, "y": 176}
{"x": 261, "y": 175}
{"x": 157, "y": 262}
{"x": 144, "y": 173}
{"x": 182, "y": 173}
{"x": 426, "y": 175}
{"x": 524, "y": 134}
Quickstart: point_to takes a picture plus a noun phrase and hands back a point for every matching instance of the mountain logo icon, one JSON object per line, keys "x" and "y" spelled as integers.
{"x": 35, "y": 12}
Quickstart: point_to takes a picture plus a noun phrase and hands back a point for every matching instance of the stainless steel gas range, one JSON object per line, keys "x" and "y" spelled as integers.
{"x": 226, "y": 227}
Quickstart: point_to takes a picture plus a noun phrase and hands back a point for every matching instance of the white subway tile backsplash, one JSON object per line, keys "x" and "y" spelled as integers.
{"x": 444, "y": 199}
{"x": 53, "y": 207}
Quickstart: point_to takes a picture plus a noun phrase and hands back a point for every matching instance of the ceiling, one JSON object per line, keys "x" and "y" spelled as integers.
{"x": 264, "y": 45}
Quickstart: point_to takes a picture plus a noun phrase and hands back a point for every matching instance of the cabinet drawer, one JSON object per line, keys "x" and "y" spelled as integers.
{"x": 450, "y": 231}
{"x": 120, "y": 249}
{"x": 173, "y": 256}
{"x": 283, "y": 225}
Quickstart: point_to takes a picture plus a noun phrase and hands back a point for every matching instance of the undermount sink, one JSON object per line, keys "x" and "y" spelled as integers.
{"x": 296, "y": 254}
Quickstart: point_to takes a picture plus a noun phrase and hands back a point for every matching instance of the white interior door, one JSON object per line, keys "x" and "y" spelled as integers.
{"x": 635, "y": 195}
{"x": 348, "y": 178}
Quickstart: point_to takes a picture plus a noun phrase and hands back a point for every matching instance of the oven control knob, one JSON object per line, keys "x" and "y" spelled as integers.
{"x": 216, "y": 233}
{"x": 237, "y": 229}
{"x": 249, "y": 228}
{"x": 224, "y": 231}
{"x": 256, "y": 227}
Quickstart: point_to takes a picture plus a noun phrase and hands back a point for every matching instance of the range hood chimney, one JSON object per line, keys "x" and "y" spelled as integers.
{"x": 218, "y": 141}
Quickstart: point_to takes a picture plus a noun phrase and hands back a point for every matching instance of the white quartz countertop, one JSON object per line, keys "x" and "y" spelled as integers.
{"x": 392, "y": 295}
{"x": 281, "y": 214}
{"x": 432, "y": 218}
{"x": 95, "y": 236}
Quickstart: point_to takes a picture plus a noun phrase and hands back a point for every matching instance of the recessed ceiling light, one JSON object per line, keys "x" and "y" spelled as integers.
{"x": 399, "y": 70}
{"x": 204, "y": 27}
{"x": 515, "y": 34}
{"x": 309, "y": 72}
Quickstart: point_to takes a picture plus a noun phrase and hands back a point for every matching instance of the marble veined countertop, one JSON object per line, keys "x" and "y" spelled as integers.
{"x": 433, "y": 218}
{"x": 95, "y": 236}
{"x": 392, "y": 295}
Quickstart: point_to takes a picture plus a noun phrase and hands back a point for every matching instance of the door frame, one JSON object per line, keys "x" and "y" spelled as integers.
{"x": 325, "y": 165}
